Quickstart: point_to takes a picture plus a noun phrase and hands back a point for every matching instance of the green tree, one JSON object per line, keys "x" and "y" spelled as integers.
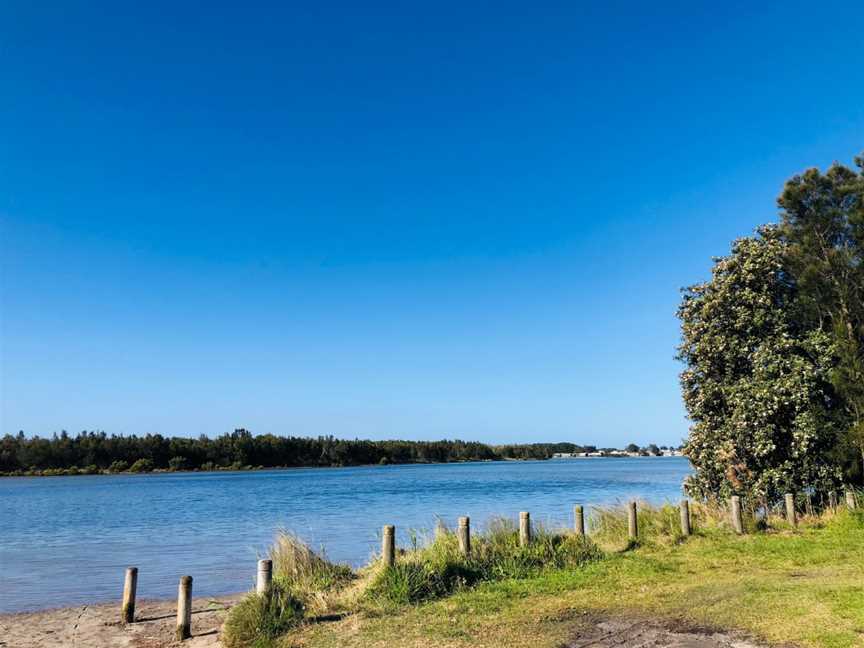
{"x": 756, "y": 384}
{"x": 177, "y": 463}
{"x": 823, "y": 224}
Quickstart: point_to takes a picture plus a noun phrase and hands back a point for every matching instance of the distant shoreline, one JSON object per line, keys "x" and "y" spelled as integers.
{"x": 69, "y": 472}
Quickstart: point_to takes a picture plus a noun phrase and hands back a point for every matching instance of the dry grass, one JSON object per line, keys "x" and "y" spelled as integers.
{"x": 307, "y": 575}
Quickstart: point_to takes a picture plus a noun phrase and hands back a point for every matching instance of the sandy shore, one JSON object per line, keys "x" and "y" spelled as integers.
{"x": 98, "y": 626}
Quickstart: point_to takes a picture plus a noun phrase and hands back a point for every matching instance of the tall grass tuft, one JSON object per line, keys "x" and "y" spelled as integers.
{"x": 306, "y": 574}
{"x": 258, "y": 620}
{"x": 303, "y": 582}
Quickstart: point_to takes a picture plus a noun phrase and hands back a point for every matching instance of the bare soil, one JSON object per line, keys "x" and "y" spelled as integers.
{"x": 620, "y": 632}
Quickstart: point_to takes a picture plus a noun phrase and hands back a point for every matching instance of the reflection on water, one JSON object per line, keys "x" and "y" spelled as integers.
{"x": 67, "y": 540}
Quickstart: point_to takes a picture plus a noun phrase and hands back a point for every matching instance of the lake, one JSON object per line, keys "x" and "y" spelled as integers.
{"x": 67, "y": 540}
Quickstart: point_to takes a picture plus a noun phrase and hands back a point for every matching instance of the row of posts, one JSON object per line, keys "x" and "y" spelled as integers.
{"x": 791, "y": 513}
{"x": 263, "y": 585}
{"x": 388, "y": 541}
{"x": 264, "y": 580}
{"x": 184, "y": 602}
{"x": 463, "y": 532}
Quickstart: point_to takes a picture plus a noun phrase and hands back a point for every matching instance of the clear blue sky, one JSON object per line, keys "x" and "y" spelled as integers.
{"x": 402, "y": 220}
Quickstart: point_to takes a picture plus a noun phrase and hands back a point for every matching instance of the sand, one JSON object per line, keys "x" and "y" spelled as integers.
{"x": 98, "y": 626}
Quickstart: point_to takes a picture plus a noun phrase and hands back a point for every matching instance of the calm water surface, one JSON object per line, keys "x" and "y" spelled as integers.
{"x": 66, "y": 540}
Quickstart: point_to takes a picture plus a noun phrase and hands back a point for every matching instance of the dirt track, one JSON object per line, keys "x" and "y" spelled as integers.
{"x": 641, "y": 633}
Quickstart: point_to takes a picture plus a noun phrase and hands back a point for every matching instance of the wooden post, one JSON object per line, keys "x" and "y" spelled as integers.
{"x": 130, "y": 585}
{"x": 632, "y": 523}
{"x": 850, "y": 500}
{"x": 808, "y": 504}
{"x": 465, "y": 535}
{"x": 791, "y": 518}
{"x": 832, "y": 500}
{"x": 388, "y": 545}
{"x": 265, "y": 577}
{"x": 184, "y": 608}
{"x": 579, "y": 520}
{"x": 524, "y": 529}
{"x": 737, "y": 520}
{"x": 685, "y": 518}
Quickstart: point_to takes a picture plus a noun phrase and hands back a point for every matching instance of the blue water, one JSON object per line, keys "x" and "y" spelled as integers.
{"x": 67, "y": 540}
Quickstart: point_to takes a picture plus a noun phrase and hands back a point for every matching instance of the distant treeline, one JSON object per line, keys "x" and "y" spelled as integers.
{"x": 96, "y": 452}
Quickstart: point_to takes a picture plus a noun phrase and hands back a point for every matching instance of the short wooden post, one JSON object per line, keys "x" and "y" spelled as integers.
{"x": 579, "y": 520}
{"x": 808, "y": 504}
{"x": 130, "y": 585}
{"x": 524, "y": 529}
{"x": 850, "y": 500}
{"x": 791, "y": 518}
{"x": 685, "y": 517}
{"x": 184, "y": 608}
{"x": 388, "y": 545}
{"x": 632, "y": 523}
{"x": 465, "y": 535}
{"x": 832, "y": 500}
{"x": 737, "y": 520}
{"x": 264, "y": 582}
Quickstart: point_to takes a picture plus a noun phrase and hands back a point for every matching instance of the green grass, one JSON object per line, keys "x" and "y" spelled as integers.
{"x": 258, "y": 621}
{"x": 802, "y": 586}
{"x": 439, "y": 568}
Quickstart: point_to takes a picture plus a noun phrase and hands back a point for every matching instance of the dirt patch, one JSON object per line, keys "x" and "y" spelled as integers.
{"x": 641, "y": 633}
{"x": 97, "y": 626}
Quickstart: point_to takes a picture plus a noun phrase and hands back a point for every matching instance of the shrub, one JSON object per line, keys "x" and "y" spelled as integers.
{"x": 142, "y": 465}
{"x": 118, "y": 466}
{"x": 258, "y": 620}
{"x": 177, "y": 463}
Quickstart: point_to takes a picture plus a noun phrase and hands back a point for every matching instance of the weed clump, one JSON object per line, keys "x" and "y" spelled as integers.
{"x": 303, "y": 583}
{"x": 259, "y": 620}
{"x": 306, "y": 574}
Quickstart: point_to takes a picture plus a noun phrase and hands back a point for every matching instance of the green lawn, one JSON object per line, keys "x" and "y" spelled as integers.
{"x": 782, "y": 586}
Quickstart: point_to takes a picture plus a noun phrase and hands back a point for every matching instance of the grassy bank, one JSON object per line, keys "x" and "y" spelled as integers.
{"x": 781, "y": 585}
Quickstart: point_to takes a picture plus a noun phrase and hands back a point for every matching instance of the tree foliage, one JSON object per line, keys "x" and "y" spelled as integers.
{"x": 757, "y": 385}
{"x": 235, "y": 450}
{"x": 92, "y": 452}
{"x": 823, "y": 224}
